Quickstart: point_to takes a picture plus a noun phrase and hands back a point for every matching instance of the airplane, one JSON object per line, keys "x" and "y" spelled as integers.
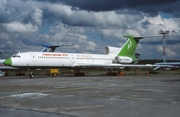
{"x": 115, "y": 59}
{"x": 167, "y": 65}
{"x": 47, "y": 48}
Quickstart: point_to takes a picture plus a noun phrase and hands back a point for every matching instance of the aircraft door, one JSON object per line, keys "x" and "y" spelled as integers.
{"x": 72, "y": 58}
{"x": 33, "y": 57}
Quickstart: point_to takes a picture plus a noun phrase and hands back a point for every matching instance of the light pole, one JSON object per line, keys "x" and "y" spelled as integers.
{"x": 164, "y": 33}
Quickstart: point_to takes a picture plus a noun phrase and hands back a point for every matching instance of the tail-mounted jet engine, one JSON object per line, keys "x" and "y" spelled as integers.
{"x": 123, "y": 59}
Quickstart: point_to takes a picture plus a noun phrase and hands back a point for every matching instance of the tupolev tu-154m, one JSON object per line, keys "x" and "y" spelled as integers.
{"x": 115, "y": 59}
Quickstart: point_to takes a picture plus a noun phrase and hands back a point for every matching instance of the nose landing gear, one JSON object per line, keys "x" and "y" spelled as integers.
{"x": 31, "y": 74}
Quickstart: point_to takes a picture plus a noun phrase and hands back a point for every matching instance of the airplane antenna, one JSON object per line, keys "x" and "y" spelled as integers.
{"x": 164, "y": 33}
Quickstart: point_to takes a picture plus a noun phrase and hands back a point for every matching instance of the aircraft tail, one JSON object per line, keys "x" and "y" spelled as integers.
{"x": 129, "y": 48}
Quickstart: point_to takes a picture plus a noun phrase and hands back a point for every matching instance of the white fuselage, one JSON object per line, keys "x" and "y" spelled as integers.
{"x": 49, "y": 59}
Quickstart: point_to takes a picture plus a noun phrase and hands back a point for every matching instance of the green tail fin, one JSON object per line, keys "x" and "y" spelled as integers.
{"x": 129, "y": 48}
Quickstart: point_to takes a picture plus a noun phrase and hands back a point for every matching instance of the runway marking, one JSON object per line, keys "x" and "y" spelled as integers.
{"x": 25, "y": 95}
{"x": 60, "y": 89}
{"x": 84, "y": 107}
{"x": 152, "y": 100}
{"x": 141, "y": 99}
{"x": 151, "y": 90}
{"x": 4, "y": 97}
{"x": 159, "y": 85}
{"x": 33, "y": 95}
{"x": 71, "y": 88}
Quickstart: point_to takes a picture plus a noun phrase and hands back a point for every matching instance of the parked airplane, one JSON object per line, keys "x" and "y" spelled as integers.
{"x": 115, "y": 59}
{"x": 167, "y": 65}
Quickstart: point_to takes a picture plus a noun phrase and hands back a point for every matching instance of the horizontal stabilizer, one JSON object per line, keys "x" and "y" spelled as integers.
{"x": 141, "y": 37}
{"x": 48, "y": 46}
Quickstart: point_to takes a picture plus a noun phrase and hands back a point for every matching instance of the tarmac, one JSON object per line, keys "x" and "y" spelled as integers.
{"x": 156, "y": 95}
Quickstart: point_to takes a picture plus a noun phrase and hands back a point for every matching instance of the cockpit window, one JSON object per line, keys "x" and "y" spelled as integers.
{"x": 16, "y": 56}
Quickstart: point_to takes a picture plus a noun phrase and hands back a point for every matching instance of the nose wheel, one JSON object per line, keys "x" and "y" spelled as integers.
{"x": 31, "y": 74}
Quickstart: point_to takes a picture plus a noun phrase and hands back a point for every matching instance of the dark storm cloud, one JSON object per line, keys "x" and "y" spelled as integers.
{"x": 151, "y": 7}
{"x": 2, "y": 19}
{"x": 92, "y": 24}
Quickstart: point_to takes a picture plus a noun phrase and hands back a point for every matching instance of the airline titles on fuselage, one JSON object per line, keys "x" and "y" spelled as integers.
{"x": 55, "y": 55}
{"x": 83, "y": 56}
{"x": 64, "y": 55}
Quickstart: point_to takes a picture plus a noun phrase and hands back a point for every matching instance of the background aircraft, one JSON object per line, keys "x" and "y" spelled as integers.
{"x": 172, "y": 65}
{"x": 164, "y": 64}
{"x": 115, "y": 59}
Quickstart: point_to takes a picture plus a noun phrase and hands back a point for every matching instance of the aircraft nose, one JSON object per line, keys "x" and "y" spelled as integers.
{"x": 8, "y": 62}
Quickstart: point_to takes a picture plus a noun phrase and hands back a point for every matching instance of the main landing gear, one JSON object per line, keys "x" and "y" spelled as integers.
{"x": 78, "y": 73}
{"x": 110, "y": 73}
{"x": 117, "y": 73}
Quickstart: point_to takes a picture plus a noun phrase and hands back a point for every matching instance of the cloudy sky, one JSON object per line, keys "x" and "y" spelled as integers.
{"x": 90, "y": 24}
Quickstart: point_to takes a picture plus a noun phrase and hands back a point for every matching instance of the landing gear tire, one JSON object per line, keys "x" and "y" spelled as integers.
{"x": 54, "y": 74}
{"x": 79, "y": 74}
{"x": 31, "y": 75}
{"x": 111, "y": 74}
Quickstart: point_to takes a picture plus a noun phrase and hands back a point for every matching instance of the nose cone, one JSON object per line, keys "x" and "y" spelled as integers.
{"x": 8, "y": 62}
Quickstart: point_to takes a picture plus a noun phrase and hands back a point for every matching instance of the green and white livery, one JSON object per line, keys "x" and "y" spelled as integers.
{"x": 116, "y": 58}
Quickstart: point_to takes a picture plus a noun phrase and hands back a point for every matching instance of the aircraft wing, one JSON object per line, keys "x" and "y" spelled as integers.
{"x": 87, "y": 65}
